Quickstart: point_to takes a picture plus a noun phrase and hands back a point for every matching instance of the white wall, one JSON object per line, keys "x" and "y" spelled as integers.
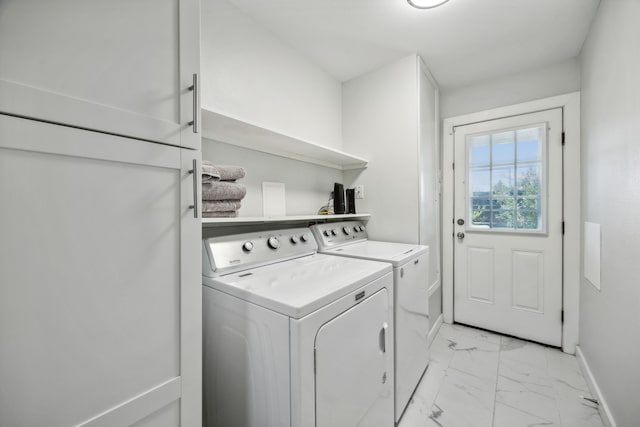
{"x": 307, "y": 186}
{"x": 249, "y": 74}
{"x": 555, "y": 79}
{"x": 380, "y": 123}
{"x": 609, "y": 325}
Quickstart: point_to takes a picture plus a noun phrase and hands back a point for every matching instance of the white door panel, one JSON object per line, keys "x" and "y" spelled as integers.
{"x": 168, "y": 416}
{"x": 122, "y": 67}
{"x": 508, "y": 225}
{"x": 528, "y": 280}
{"x": 354, "y": 363}
{"x": 93, "y": 272}
{"x": 480, "y": 283}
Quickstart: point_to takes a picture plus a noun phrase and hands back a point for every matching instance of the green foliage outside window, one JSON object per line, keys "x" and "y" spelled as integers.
{"x": 509, "y": 207}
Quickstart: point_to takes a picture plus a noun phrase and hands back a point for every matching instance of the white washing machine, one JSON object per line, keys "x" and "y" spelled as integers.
{"x": 292, "y": 337}
{"x": 411, "y": 296}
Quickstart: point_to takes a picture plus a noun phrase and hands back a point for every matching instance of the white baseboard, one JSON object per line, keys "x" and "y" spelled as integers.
{"x": 434, "y": 330}
{"x": 605, "y": 413}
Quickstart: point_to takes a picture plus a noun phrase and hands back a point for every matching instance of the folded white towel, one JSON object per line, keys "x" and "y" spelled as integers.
{"x": 222, "y": 190}
{"x": 220, "y": 205}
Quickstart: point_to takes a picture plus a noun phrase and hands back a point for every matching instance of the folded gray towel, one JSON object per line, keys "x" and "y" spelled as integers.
{"x": 224, "y": 214}
{"x": 222, "y": 190}
{"x": 230, "y": 173}
{"x": 209, "y": 172}
{"x": 220, "y": 205}
{"x": 222, "y": 172}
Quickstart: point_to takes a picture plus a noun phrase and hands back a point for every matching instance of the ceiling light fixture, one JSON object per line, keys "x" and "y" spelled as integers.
{"x": 426, "y": 4}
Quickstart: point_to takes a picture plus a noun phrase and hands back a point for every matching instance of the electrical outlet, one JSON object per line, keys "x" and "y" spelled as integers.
{"x": 360, "y": 191}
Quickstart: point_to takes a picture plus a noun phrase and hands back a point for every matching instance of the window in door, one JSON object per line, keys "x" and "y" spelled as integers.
{"x": 505, "y": 181}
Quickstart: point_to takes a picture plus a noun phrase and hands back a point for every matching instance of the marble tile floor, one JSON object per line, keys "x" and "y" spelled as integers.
{"x": 481, "y": 379}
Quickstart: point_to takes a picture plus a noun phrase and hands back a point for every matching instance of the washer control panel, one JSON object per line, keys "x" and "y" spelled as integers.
{"x": 227, "y": 254}
{"x": 332, "y": 234}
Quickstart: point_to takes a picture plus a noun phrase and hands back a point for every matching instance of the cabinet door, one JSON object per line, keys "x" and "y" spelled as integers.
{"x": 354, "y": 367}
{"x": 118, "y": 66}
{"x": 99, "y": 280}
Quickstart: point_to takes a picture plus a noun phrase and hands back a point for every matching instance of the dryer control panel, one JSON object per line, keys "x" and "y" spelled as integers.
{"x": 333, "y": 234}
{"x": 237, "y": 252}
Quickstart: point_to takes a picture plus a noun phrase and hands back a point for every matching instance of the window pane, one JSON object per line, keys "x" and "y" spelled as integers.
{"x": 503, "y": 147}
{"x": 528, "y": 180}
{"x": 502, "y": 219}
{"x": 529, "y": 146}
{"x": 528, "y": 203}
{"x": 479, "y": 150}
{"x": 503, "y": 180}
{"x": 502, "y": 203}
{"x": 480, "y": 213}
{"x": 480, "y": 182}
{"x": 528, "y": 219}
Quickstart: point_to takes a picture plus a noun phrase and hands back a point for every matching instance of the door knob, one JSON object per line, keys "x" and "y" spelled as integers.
{"x": 460, "y": 235}
{"x": 460, "y": 221}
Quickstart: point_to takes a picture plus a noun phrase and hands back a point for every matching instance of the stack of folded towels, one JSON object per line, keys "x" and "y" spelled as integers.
{"x": 221, "y": 194}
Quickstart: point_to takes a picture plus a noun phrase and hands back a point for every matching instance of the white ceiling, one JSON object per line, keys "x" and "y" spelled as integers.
{"x": 462, "y": 42}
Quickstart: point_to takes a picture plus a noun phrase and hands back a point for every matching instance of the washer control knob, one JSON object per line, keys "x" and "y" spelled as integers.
{"x": 346, "y": 230}
{"x": 327, "y": 233}
{"x": 294, "y": 240}
{"x": 362, "y": 228}
{"x": 273, "y": 242}
{"x": 356, "y": 229}
{"x": 334, "y": 232}
{"x": 247, "y": 246}
{"x": 304, "y": 238}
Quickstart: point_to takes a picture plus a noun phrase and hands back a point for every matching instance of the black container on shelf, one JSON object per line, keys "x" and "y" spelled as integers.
{"x": 338, "y": 199}
{"x": 351, "y": 200}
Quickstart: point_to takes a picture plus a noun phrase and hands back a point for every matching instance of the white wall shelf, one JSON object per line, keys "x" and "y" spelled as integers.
{"x": 252, "y": 220}
{"x": 230, "y": 130}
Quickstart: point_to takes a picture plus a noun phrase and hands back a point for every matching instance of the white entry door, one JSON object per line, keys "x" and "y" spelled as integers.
{"x": 508, "y": 226}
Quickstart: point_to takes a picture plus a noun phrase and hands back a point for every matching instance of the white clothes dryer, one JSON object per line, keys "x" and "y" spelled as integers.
{"x": 411, "y": 296}
{"x": 292, "y": 337}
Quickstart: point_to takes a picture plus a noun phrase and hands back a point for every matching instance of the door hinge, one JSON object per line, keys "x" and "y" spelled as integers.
{"x": 563, "y": 228}
{"x": 453, "y": 166}
{"x": 314, "y": 360}
{"x": 562, "y": 316}
{"x": 563, "y": 140}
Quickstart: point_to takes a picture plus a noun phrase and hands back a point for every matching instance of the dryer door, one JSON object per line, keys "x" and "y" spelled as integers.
{"x": 354, "y": 366}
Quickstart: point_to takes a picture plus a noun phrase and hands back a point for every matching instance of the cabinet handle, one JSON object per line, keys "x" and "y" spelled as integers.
{"x": 194, "y": 172}
{"x": 382, "y": 338}
{"x": 194, "y": 89}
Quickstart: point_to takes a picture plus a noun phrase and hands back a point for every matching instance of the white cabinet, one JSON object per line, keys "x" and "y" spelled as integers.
{"x": 122, "y": 67}
{"x": 100, "y": 290}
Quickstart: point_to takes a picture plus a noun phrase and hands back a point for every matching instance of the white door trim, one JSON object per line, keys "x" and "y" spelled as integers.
{"x": 570, "y": 104}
